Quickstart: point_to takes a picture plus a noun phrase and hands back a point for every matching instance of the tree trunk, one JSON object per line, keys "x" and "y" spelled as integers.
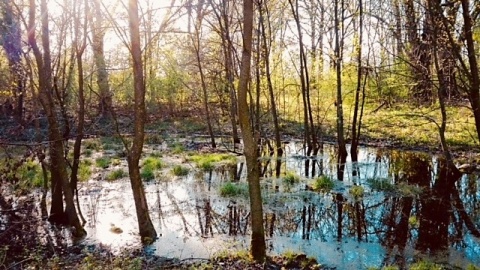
{"x": 145, "y": 226}
{"x": 355, "y": 120}
{"x": 473, "y": 76}
{"x": 11, "y": 41}
{"x": 257, "y": 248}
{"x": 342, "y": 150}
{"x": 98, "y": 33}
{"x": 58, "y": 168}
{"x": 196, "y": 46}
{"x": 273, "y": 106}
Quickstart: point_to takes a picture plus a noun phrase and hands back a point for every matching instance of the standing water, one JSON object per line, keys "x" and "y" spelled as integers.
{"x": 393, "y": 207}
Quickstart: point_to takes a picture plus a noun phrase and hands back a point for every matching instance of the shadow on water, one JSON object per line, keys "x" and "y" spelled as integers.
{"x": 393, "y": 207}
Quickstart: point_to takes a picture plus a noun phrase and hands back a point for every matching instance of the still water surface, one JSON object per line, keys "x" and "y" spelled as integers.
{"x": 431, "y": 217}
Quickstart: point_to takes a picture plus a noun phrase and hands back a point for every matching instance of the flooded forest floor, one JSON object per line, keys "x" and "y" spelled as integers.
{"x": 394, "y": 208}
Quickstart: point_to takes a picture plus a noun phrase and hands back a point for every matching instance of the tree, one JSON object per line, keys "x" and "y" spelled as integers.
{"x": 257, "y": 246}
{"x": 134, "y": 151}
{"x": 98, "y": 34}
{"x": 58, "y": 168}
{"x": 221, "y": 12}
{"x": 196, "y": 46}
{"x": 266, "y": 54}
{"x": 339, "y": 30}
{"x": 12, "y": 44}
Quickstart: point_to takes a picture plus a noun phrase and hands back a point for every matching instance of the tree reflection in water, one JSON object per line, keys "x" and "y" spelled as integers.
{"x": 432, "y": 211}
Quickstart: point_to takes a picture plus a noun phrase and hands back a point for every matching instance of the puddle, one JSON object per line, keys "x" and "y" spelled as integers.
{"x": 380, "y": 228}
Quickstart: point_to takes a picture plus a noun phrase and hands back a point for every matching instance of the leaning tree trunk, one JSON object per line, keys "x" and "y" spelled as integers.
{"x": 145, "y": 226}
{"x": 257, "y": 248}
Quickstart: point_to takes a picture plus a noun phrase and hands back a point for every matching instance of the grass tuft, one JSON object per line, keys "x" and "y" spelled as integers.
{"x": 180, "y": 170}
{"x": 230, "y": 189}
{"x": 207, "y": 162}
{"x": 116, "y": 174}
{"x": 291, "y": 178}
{"x": 103, "y": 162}
{"x": 323, "y": 183}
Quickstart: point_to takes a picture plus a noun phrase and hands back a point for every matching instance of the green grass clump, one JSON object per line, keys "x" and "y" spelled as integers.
{"x": 291, "y": 178}
{"x": 153, "y": 162}
{"x": 424, "y": 265}
{"x": 150, "y": 165}
{"x": 180, "y": 170}
{"x": 147, "y": 173}
{"x": 323, "y": 183}
{"x": 84, "y": 170}
{"x": 103, "y": 162}
{"x": 380, "y": 184}
{"x": 116, "y": 174}
{"x": 177, "y": 148}
{"x": 357, "y": 192}
{"x": 207, "y": 162}
{"x": 230, "y": 189}
{"x": 30, "y": 174}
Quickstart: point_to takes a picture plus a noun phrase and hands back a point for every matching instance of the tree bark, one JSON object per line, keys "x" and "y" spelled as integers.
{"x": 145, "y": 226}
{"x": 58, "y": 169}
{"x": 98, "y": 33}
{"x": 257, "y": 247}
{"x": 342, "y": 150}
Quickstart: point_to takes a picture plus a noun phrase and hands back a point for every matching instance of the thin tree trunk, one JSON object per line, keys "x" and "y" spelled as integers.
{"x": 196, "y": 46}
{"x": 355, "y": 136}
{"x": 342, "y": 150}
{"x": 80, "y": 49}
{"x": 258, "y": 247}
{"x": 145, "y": 226}
{"x": 273, "y": 106}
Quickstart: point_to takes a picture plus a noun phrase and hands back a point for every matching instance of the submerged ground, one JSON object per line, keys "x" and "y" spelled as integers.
{"x": 392, "y": 208}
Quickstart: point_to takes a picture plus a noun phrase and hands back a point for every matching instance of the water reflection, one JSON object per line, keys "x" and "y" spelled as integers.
{"x": 434, "y": 212}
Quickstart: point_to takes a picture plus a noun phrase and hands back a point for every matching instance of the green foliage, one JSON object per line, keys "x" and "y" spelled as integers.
{"x": 413, "y": 221}
{"x": 381, "y": 184}
{"x": 230, "y": 189}
{"x": 103, "y": 162}
{"x": 425, "y": 265}
{"x": 180, "y": 170}
{"x": 30, "y": 173}
{"x": 116, "y": 174}
{"x": 147, "y": 173}
{"x": 207, "y": 162}
{"x": 472, "y": 267}
{"x": 177, "y": 148}
{"x": 84, "y": 170}
{"x": 357, "y": 192}
{"x": 323, "y": 183}
{"x": 111, "y": 143}
{"x": 291, "y": 178}
{"x": 150, "y": 165}
{"x": 153, "y": 162}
